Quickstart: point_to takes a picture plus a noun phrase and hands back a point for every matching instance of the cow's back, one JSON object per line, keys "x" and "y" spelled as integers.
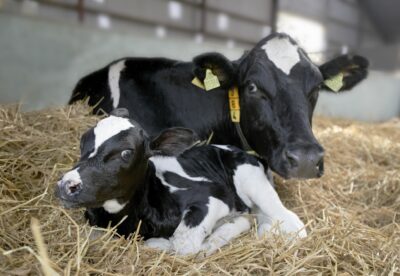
{"x": 157, "y": 92}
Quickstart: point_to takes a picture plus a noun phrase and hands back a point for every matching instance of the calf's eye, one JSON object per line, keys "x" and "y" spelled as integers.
{"x": 126, "y": 155}
{"x": 253, "y": 87}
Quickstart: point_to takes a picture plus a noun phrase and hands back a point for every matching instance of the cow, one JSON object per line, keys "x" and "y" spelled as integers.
{"x": 278, "y": 88}
{"x": 182, "y": 192}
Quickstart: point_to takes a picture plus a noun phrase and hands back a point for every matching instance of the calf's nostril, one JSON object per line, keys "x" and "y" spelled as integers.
{"x": 72, "y": 187}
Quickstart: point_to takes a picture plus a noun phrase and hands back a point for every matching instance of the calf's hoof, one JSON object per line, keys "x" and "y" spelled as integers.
{"x": 158, "y": 243}
{"x": 290, "y": 223}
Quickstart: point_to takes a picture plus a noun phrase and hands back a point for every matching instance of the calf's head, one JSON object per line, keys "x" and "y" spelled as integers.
{"x": 279, "y": 86}
{"x": 114, "y": 161}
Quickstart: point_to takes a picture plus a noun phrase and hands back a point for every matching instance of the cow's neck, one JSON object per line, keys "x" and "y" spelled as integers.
{"x": 217, "y": 121}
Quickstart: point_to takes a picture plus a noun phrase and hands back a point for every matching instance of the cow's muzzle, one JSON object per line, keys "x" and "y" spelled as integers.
{"x": 305, "y": 161}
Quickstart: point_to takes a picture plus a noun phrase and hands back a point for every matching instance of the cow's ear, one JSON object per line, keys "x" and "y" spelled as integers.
{"x": 352, "y": 69}
{"x": 220, "y": 66}
{"x": 173, "y": 141}
{"x": 120, "y": 112}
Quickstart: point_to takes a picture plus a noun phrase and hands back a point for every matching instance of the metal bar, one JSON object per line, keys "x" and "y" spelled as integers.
{"x": 81, "y": 10}
{"x": 203, "y": 16}
{"x": 274, "y": 15}
{"x": 188, "y": 30}
{"x": 232, "y": 15}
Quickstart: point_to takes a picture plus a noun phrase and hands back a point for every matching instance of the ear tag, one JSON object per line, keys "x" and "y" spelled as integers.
{"x": 198, "y": 83}
{"x": 335, "y": 83}
{"x": 211, "y": 81}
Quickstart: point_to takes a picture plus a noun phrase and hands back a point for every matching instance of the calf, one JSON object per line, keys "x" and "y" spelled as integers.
{"x": 277, "y": 85}
{"x": 180, "y": 192}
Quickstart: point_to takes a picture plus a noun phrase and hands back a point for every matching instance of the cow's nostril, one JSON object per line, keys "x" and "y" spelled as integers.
{"x": 292, "y": 158}
{"x": 72, "y": 187}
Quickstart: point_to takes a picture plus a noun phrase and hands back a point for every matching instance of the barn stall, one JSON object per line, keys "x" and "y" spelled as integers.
{"x": 352, "y": 212}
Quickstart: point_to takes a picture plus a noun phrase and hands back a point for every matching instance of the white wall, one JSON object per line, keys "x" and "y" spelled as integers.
{"x": 376, "y": 99}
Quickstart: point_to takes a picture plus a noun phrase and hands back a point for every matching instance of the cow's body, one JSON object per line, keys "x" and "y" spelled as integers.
{"x": 182, "y": 194}
{"x": 159, "y": 94}
{"x": 278, "y": 87}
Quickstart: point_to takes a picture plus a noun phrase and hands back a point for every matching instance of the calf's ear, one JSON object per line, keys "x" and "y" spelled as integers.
{"x": 120, "y": 112}
{"x": 352, "y": 69}
{"x": 220, "y": 66}
{"x": 173, "y": 141}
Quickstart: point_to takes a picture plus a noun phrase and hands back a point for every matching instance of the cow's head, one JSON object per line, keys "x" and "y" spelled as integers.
{"x": 114, "y": 162}
{"x": 279, "y": 87}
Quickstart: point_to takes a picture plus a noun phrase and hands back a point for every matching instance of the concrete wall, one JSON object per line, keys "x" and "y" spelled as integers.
{"x": 375, "y": 99}
{"x": 40, "y": 62}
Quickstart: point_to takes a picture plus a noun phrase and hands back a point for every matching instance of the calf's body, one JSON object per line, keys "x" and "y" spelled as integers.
{"x": 182, "y": 194}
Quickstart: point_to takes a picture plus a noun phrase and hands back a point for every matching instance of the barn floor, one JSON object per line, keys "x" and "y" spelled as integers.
{"x": 352, "y": 212}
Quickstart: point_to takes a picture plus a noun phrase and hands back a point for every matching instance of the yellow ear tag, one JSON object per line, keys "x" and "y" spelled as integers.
{"x": 198, "y": 83}
{"x": 211, "y": 81}
{"x": 335, "y": 83}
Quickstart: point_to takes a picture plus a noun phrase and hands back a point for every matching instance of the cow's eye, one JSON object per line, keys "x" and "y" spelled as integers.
{"x": 126, "y": 155}
{"x": 252, "y": 87}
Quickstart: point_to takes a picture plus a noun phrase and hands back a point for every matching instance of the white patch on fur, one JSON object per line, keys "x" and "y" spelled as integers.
{"x": 255, "y": 190}
{"x": 107, "y": 128}
{"x": 114, "y": 73}
{"x": 112, "y": 206}
{"x": 73, "y": 176}
{"x": 225, "y": 233}
{"x": 186, "y": 240}
{"x": 282, "y": 53}
{"x": 170, "y": 164}
{"x": 224, "y": 147}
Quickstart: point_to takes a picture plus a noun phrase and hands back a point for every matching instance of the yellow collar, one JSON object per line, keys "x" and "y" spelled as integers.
{"x": 234, "y": 105}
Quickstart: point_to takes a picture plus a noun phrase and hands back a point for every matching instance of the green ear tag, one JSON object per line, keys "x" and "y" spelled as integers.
{"x": 335, "y": 83}
{"x": 211, "y": 81}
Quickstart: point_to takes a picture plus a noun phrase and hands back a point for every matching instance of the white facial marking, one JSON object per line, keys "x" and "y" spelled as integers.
{"x": 282, "y": 53}
{"x": 114, "y": 73}
{"x": 107, "y": 128}
{"x": 112, "y": 206}
{"x": 170, "y": 164}
{"x": 189, "y": 240}
{"x": 72, "y": 176}
{"x": 255, "y": 190}
{"x": 224, "y": 147}
{"x": 225, "y": 233}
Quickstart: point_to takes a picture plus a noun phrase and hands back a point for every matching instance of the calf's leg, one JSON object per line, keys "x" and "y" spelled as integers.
{"x": 225, "y": 233}
{"x": 196, "y": 225}
{"x": 255, "y": 190}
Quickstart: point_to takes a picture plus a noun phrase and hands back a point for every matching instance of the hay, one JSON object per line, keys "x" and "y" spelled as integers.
{"x": 352, "y": 212}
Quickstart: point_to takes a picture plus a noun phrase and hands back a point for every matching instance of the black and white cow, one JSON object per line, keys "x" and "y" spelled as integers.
{"x": 180, "y": 192}
{"x": 278, "y": 87}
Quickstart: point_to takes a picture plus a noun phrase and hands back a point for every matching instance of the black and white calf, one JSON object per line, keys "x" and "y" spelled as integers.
{"x": 180, "y": 191}
{"x": 278, "y": 86}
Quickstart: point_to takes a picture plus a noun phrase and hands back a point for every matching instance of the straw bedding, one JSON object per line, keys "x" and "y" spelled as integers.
{"x": 352, "y": 212}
